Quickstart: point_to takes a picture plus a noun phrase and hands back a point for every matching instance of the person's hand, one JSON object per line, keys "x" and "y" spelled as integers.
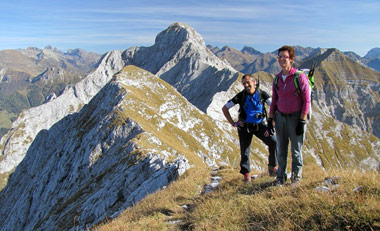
{"x": 300, "y": 129}
{"x": 270, "y": 131}
{"x": 238, "y": 124}
{"x": 270, "y": 123}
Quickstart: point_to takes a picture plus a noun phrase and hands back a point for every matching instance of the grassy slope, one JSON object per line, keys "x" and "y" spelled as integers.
{"x": 142, "y": 105}
{"x": 259, "y": 205}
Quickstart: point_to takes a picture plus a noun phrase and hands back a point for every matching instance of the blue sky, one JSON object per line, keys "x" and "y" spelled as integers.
{"x": 265, "y": 25}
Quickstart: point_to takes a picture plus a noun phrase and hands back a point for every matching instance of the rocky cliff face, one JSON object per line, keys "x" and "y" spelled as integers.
{"x": 347, "y": 91}
{"x": 134, "y": 137}
{"x": 16, "y": 142}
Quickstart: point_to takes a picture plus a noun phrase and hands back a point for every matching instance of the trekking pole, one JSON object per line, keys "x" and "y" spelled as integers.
{"x": 312, "y": 69}
{"x": 258, "y": 82}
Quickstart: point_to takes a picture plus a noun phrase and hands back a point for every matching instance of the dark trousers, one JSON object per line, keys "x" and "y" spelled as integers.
{"x": 245, "y": 138}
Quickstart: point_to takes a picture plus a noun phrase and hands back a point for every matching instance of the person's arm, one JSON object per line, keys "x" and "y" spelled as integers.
{"x": 227, "y": 114}
{"x": 265, "y": 96}
{"x": 231, "y": 103}
{"x": 268, "y": 101}
{"x": 303, "y": 116}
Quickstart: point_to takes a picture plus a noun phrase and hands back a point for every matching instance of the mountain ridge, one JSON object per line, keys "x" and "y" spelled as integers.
{"x": 91, "y": 172}
{"x": 243, "y": 60}
{"x": 15, "y": 143}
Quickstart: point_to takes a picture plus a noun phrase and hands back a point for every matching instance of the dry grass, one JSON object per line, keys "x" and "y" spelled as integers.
{"x": 4, "y": 179}
{"x": 353, "y": 203}
{"x": 156, "y": 211}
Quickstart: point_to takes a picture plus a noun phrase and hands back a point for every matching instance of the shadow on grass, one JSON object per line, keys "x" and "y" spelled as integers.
{"x": 257, "y": 186}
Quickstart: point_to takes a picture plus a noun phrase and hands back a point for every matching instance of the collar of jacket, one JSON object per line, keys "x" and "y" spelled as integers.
{"x": 291, "y": 72}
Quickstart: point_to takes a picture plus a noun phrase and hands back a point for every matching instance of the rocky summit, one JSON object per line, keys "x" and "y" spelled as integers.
{"x": 181, "y": 58}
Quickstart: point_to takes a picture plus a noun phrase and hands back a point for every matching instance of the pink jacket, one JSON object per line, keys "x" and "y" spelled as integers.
{"x": 286, "y": 98}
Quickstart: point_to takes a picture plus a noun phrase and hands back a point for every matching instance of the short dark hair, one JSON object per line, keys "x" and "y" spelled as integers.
{"x": 292, "y": 52}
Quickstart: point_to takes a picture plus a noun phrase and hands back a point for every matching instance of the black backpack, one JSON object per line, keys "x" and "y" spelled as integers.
{"x": 244, "y": 96}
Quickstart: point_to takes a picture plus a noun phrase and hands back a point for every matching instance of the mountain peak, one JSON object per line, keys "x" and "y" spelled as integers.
{"x": 33, "y": 49}
{"x": 76, "y": 52}
{"x": 53, "y": 49}
{"x": 251, "y": 50}
{"x": 181, "y": 58}
{"x": 178, "y": 33}
{"x": 228, "y": 49}
{"x": 334, "y": 55}
{"x": 373, "y": 53}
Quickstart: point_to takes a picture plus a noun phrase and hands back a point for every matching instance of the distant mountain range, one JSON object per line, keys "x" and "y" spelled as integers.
{"x": 249, "y": 60}
{"x": 145, "y": 115}
{"x": 29, "y": 77}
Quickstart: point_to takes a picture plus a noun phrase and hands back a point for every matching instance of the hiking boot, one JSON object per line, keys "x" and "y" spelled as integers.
{"x": 294, "y": 178}
{"x": 272, "y": 170}
{"x": 247, "y": 177}
{"x": 281, "y": 180}
{"x": 279, "y": 183}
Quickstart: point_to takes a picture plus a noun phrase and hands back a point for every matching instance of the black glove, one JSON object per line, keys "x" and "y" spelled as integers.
{"x": 270, "y": 126}
{"x": 270, "y": 123}
{"x": 300, "y": 129}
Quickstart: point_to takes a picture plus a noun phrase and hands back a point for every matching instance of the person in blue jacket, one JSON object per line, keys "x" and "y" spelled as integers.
{"x": 251, "y": 122}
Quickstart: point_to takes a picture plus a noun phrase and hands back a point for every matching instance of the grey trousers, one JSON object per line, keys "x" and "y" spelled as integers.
{"x": 285, "y": 131}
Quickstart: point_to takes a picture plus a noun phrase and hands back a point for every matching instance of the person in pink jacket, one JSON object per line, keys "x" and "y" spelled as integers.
{"x": 288, "y": 114}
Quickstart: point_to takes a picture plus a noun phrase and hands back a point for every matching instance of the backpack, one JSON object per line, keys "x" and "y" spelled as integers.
{"x": 260, "y": 98}
{"x": 310, "y": 75}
